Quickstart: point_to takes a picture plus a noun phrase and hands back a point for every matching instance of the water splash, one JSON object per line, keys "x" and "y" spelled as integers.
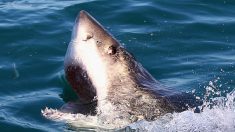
{"x": 221, "y": 117}
{"x": 218, "y": 114}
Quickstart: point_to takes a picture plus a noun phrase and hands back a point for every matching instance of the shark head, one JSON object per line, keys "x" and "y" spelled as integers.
{"x": 94, "y": 59}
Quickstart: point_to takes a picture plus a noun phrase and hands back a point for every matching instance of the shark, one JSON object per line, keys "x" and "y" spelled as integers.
{"x": 110, "y": 83}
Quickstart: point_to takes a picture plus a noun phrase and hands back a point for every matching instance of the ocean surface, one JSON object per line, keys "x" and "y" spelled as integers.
{"x": 188, "y": 45}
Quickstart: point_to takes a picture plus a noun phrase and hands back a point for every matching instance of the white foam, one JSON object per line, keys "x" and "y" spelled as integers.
{"x": 219, "y": 118}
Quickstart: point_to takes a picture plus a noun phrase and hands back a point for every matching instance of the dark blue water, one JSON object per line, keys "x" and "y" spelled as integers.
{"x": 185, "y": 44}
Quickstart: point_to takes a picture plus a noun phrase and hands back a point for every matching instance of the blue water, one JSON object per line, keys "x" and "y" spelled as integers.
{"x": 185, "y": 44}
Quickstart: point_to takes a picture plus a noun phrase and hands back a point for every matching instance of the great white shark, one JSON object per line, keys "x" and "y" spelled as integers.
{"x": 111, "y": 83}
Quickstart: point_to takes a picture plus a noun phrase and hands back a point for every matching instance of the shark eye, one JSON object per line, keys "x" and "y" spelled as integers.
{"x": 112, "y": 50}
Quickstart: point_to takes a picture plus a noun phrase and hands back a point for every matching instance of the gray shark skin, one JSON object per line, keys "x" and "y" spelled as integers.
{"x": 106, "y": 75}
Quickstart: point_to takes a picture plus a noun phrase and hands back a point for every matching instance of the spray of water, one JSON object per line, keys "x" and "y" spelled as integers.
{"x": 218, "y": 114}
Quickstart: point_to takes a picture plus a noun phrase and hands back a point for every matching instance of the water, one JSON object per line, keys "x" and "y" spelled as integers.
{"x": 187, "y": 45}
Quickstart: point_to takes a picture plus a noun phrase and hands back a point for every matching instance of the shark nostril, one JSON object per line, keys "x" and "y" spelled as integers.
{"x": 112, "y": 50}
{"x": 88, "y": 36}
{"x": 98, "y": 42}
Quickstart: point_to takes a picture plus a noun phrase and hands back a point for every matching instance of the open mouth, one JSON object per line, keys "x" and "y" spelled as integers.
{"x": 89, "y": 53}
